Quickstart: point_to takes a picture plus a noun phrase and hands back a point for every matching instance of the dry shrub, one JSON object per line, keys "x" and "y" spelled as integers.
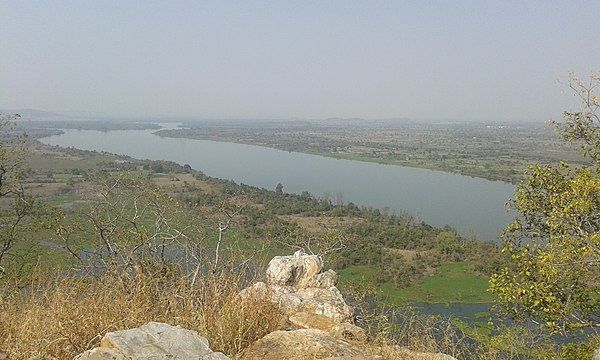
{"x": 64, "y": 316}
{"x": 232, "y": 322}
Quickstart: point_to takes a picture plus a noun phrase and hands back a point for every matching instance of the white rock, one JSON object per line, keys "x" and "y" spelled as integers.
{"x": 327, "y": 302}
{"x": 153, "y": 341}
{"x": 298, "y": 284}
{"x": 299, "y": 271}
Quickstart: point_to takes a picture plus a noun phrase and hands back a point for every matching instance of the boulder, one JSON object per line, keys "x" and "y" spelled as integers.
{"x": 328, "y": 302}
{"x": 299, "y": 271}
{"x": 153, "y": 341}
{"x": 298, "y": 284}
{"x": 299, "y": 345}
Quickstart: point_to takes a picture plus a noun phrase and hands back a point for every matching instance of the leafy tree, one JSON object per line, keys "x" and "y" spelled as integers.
{"x": 554, "y": 243}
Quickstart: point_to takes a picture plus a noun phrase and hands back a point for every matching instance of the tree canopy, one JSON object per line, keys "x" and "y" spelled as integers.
{"x": 554, "y": 243}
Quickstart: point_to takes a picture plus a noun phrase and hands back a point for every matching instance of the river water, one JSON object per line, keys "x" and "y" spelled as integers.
{"x": 470, "y": 205}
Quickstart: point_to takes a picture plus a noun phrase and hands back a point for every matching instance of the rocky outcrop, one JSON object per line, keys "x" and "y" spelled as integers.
{"x": 299, "y": 284}
{"x": 321, "y": 320}
{"x": 346, "y": 330}
{"x": 322, "y": 323}
{"x": 300, "y": 271}
{"x": 152, "y": 341}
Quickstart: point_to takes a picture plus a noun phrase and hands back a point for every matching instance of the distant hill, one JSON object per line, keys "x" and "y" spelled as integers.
{"x": 34, "y": 114}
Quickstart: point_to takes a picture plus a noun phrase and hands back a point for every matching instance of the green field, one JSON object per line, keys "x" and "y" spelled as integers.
{"x": 452, "y": 282}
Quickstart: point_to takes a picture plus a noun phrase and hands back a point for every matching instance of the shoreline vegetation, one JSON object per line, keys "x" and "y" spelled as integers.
{"x": 495, "y": 151}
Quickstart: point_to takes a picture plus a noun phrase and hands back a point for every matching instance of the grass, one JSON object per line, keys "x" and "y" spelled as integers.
{"x": 453, "y": 282}
{"x": 357, "y": 274}
{"x": 62, "y": 316}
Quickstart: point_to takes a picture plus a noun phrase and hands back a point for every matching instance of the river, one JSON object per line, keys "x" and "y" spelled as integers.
{"x": 470, "y": 205}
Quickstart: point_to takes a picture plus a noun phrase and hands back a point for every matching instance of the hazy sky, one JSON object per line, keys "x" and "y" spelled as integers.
{"x": 487, "y": 60}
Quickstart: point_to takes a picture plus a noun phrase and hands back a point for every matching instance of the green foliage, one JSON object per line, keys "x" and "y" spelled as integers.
{"x": 452, "y": 282}
{"x": 577, "y": 351}
{"x": 555, "y": 242}
{"x": 16, "y": 204}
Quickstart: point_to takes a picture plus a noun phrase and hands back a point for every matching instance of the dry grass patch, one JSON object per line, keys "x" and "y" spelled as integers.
{"x": 321, "y": 224}
{"x": 62, "y": 317}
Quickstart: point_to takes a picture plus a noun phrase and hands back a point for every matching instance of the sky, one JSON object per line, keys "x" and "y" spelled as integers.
{"x": 425, "y": 60}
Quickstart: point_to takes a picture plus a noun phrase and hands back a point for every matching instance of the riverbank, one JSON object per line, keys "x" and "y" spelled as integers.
{"x": 470, "y": 205}
{"x": 497, "y": 152}
{"x": 472, "y": 172}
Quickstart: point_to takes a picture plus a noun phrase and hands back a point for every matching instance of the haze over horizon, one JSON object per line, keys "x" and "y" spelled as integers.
{"x": 467, "y": 60}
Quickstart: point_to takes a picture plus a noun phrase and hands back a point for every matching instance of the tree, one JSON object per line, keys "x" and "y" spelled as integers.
{"x": 15, "y": 203}
{"x": 129, "y": 221}
{"x": 554, "y": 243}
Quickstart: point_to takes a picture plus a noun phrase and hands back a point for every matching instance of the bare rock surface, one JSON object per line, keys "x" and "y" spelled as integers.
{"x": 317, "y": 310}
{"x": 315, "y": 307}
{"x": 328, "y": 302}
{"x": 153, "y": 341}
{"x": 299, "y": 271}
{"x": 298, "y": 345}
{"x": 596, "y": 355}
{"x": 102, "y": 354}
{"x": 299, "y": 284}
